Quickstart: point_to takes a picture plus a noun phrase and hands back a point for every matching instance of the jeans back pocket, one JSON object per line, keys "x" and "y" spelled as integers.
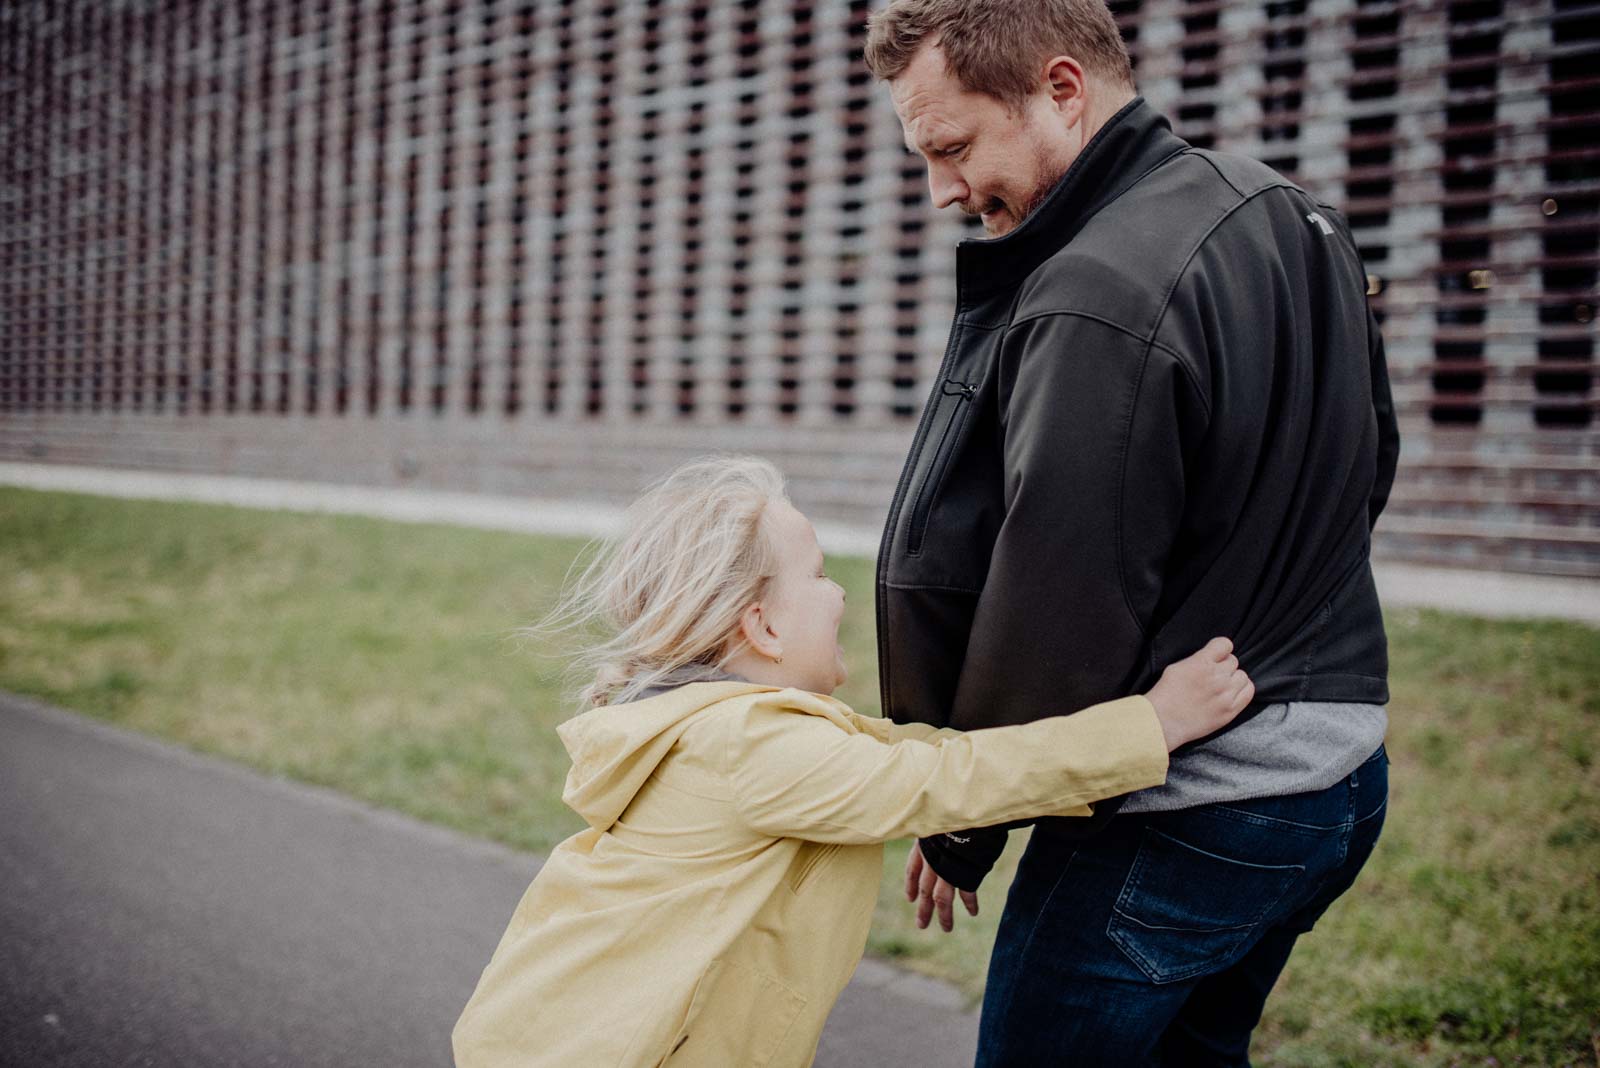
{"x": 1185, "y": 912}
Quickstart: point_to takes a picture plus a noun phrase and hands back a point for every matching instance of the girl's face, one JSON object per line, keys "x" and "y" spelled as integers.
{"x": 803, "y": 605}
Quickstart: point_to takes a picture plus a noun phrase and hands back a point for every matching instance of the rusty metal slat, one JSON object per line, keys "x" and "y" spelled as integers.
{"x": 1416, "y": 373}
{"x": 1412, "y": 495}
{"x": 1529, "y": 535}
{"x": 1501, "y": 466}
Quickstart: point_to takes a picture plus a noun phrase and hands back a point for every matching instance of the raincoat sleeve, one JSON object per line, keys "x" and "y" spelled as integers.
{"x": 796, "y": 774}
{"x": 886, "y": 730}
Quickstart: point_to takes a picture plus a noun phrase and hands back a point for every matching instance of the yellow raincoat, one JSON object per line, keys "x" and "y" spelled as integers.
{"x": 720, "y": 898}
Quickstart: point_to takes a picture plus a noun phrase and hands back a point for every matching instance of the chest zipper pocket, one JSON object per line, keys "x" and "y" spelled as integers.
{"x": 922, "y": 506}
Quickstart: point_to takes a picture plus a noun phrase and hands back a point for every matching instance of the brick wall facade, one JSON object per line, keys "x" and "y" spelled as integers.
{"x": 552, "y": 247}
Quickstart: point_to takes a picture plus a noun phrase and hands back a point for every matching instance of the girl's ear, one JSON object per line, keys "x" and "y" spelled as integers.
{"x": 753, "y": 627}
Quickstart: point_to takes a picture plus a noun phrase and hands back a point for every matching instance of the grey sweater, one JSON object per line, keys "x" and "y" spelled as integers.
{"x": 1286, "y": 748}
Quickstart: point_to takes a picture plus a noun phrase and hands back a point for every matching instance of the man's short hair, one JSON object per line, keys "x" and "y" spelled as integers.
{"x": 998, "y": 47}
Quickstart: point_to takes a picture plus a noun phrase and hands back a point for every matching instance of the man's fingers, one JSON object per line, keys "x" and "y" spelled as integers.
{"x": 914, "y": 864}
{"x": 970, "y": 900}
{"x": 1219, "y": 648}
{"x": 932, "y": 894}
{"x": 925, "y": 896}
{"x": 943, "y": 895}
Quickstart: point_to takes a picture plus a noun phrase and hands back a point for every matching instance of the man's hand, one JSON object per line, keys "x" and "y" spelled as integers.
{"x": 924, "y": 886}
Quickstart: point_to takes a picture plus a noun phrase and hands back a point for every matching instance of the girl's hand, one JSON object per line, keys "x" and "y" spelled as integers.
{"x": 1200, "y": 693}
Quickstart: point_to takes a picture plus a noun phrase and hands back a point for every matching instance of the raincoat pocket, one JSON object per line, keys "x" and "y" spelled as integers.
{"x": 737, "y": 1016}
{"x": 812, "y": 856}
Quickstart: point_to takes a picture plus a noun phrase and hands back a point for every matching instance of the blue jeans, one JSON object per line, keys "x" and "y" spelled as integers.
{"x": 1157, "y": 941}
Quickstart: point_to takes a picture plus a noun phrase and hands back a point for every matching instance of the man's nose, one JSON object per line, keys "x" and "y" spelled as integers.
{"x": 945, "y": 186}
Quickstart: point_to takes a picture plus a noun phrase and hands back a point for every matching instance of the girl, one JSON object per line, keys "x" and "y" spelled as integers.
{"x": 720, "y": 898}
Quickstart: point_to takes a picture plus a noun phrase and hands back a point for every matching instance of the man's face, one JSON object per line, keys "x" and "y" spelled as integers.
{"x": 985, "y": 158}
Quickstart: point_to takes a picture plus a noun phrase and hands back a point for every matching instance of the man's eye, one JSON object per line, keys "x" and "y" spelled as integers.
{"x": 954, "y": 150}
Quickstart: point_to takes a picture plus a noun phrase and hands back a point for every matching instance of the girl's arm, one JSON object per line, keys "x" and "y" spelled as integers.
{"x": 886, "y": 730}
{"x": 802, "y": 775}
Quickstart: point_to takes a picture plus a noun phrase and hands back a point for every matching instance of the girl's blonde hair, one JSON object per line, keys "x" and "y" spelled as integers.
{"x": 670, "y": 588}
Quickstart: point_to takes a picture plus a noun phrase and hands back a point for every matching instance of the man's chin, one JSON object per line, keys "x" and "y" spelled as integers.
{"x": 998, "y": 224}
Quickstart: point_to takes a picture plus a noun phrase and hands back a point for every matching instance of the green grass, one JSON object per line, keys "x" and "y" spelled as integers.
{"x": 374, "y": 657}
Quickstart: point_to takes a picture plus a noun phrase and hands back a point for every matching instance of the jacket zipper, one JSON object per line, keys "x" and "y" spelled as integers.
{"x": 922, "y": 507}
{"x": 886, "y": 543}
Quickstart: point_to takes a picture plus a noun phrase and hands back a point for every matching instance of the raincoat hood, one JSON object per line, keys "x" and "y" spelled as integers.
{"x": 616, "y": 748}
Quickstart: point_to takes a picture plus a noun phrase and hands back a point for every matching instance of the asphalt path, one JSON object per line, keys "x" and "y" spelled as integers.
{"x": 163, "y": 908}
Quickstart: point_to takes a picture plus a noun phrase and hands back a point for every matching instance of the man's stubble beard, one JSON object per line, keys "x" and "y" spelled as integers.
{"x": 1051, "y": 170}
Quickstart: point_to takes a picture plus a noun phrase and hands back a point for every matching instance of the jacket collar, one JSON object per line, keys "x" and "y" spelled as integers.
{"x": 683, "y": 676}
{"x": 1128, "y": 146}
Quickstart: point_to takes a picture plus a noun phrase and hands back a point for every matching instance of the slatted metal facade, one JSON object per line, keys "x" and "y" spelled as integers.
{"x": 552, "y": 247}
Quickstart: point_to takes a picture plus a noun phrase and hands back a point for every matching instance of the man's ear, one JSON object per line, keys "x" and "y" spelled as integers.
{"x": 753, "y": 626}
{"x": 1068, "y": 88}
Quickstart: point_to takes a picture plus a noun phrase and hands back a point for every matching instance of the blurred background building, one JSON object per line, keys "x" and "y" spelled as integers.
{"x": 552, "y": 247}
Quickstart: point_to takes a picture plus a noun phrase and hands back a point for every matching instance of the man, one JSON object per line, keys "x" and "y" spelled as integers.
{"x": 1163, "y": 414}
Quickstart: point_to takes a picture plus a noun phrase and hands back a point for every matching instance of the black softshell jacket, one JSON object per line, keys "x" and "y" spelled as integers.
{"x": 1163, "y": 415}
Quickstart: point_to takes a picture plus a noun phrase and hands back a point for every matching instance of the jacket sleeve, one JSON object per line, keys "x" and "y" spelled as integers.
{"x": 886, "y": 730}
{"x": 797, "y": 775}
{"x": 1388, "y": 426}
{"x": 1096, "y": 426}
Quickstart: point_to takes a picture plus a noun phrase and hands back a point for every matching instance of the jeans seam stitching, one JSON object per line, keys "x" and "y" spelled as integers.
{"x": 1317, "y": 830}
{"x": 1130, "y": 887}
{"x": 1373, "y": 814}
{"x": 1349, "y": 819}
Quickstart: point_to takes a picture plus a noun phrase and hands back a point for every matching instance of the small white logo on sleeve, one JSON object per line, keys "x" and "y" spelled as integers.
{"x": 1322, "y": 224}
